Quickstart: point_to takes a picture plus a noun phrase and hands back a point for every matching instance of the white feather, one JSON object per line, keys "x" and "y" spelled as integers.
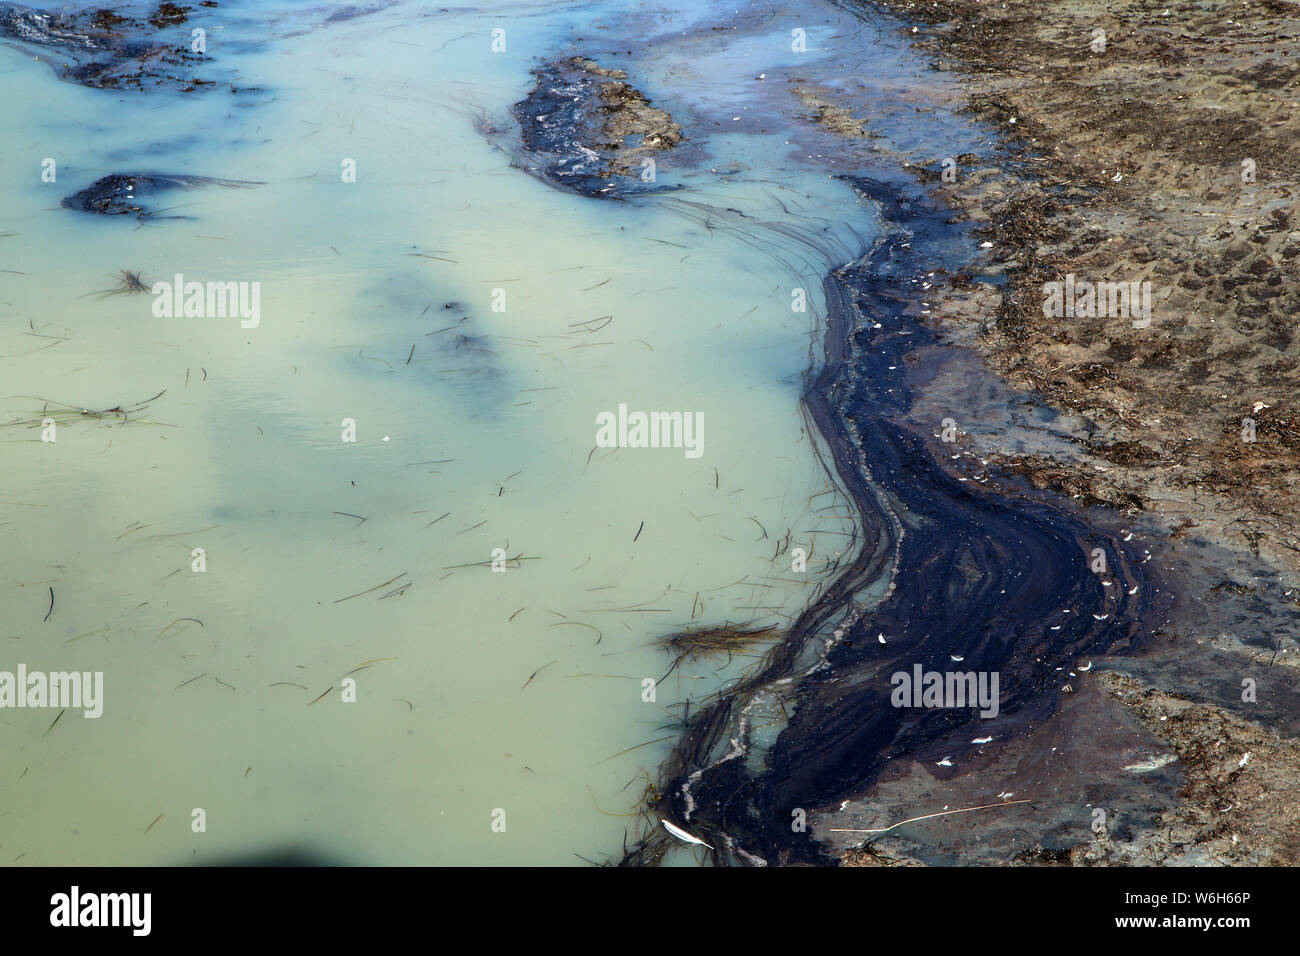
{"x": 683, "y": 835}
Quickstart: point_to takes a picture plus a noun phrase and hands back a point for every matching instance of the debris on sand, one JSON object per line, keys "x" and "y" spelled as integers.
{"x": 836, "y": 119}
{"x": 585, "y": 128}
{"x": 1189, "y": 191}
{"x": 1238, "y": 790}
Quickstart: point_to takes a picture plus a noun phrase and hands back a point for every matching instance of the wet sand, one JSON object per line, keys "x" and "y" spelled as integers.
{"x": 1158, "y": 144}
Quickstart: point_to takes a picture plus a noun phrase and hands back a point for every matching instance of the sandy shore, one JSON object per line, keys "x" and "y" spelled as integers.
{"x": 1149, "y": 143}
{"x": 1166, "y": 157}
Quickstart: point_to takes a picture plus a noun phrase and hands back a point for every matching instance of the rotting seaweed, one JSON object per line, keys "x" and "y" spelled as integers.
{"x": 714, "y": 641}
{"x": 1000, "y": 576}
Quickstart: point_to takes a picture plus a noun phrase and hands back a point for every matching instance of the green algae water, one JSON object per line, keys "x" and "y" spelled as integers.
{"x": 361, "y": 580}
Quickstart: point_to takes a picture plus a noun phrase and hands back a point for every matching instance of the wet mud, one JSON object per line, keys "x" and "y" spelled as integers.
{"x": 149, "y": 49}
{"x": 586, "y": 129}
{"x": 119, "y": 194}
{"x": 1145, "y": 144}
{"x": 1157, "y": 144}
{"x": 984, "y": 576}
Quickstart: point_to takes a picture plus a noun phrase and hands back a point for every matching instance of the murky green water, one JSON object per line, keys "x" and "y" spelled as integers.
{"x": 478, "y": 691}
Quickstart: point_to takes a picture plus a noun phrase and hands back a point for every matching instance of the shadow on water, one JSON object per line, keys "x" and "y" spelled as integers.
{"x": 280, "y": 856}
{"x": 1001, "y": 579}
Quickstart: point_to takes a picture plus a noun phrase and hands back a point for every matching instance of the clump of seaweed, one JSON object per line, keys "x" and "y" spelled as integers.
{"x": 715, "y": 641}
{"x": 131, "y": 282}
{"x": 62, "y": 413}
{"x": 169, "y": 14}
{"x": 107, "y": 19}
{"x": 128, "y": 283}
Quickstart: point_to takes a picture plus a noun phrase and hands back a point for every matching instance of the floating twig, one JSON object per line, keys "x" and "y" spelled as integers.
{"x": 536, "y": 672}
{"x": 367, "y": 664}
{"x": 604, "y": 320}
{"x": 178, "y": 621}
{"x": 368, "y": 590}
{"x": 639, "y": 746}
{"x": 600, "y": 634}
